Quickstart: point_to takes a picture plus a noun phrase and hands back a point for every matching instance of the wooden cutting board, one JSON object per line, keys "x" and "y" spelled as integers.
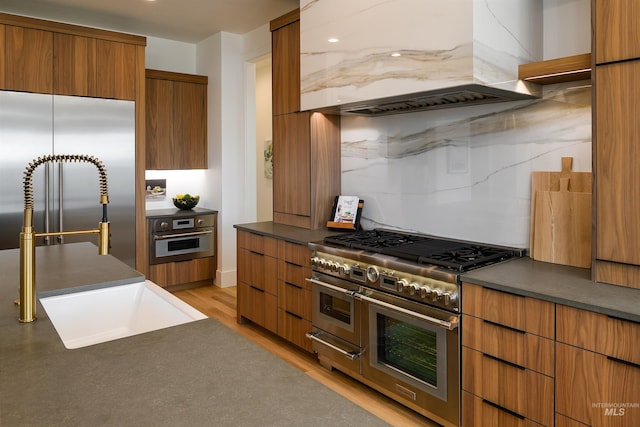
{"x": 561, "y": 215}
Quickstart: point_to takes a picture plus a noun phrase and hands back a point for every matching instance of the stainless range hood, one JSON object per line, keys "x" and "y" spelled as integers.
{"x": 460, "y": 96}
{"x": 401, "y": 56}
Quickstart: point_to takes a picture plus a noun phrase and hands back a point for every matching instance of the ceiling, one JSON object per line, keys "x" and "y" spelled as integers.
{"x": 183, "y": 20}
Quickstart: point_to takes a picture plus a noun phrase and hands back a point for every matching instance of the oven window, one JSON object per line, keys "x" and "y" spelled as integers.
{"x": 408, "y": 348}
{"x": 178, "y": 245}
{"x": 336, "y": 308}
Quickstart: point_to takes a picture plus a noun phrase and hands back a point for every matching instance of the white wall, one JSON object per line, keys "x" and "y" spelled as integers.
{"x": 567, "y": 27}
{"x": 170, "y": 55}
{"x": 264, "y": 184}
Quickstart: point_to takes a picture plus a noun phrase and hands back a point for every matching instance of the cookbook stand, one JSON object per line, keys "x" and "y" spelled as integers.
{"x": 343, "y": 216}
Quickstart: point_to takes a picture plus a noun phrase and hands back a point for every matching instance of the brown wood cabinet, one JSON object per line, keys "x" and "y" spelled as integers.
{"x": 28, "y": 60}
{"x": 272, "y": 290}
{"x": 86, "y": 66}
{"x": 616, "y": 29}
{"x": 184, "y": 272}
{"x": 285, "y": 42}
{"x": 306, "y": 145}
{"x": 257, "y": 266}
{"x": 508, "y": 359}
{"x": 294, "y": 293}
{"x": 617, "y": 133}
{"x": 176, "y": 120}
{"x": 2, "y": 56}
{"x": 306, "y": 168}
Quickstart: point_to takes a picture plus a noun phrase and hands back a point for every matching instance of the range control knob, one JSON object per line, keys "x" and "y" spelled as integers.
{"x": 164, "y": 225}
{"x": 333, "y": 265}
{"x": 372, "y": 274}
{"x": 344, "y": 269}
{"x": 401, "y": 285}
{"x": 449, "y": 298}
{"x": 314, "y": 261}
{"x": 425, "y": 292}
{"x": 200, "y": 221}
{"x": 413, "y": 288}
{"x": 436, "y": 295}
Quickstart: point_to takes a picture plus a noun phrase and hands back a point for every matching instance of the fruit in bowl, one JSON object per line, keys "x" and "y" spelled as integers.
{"x": 185, "y": 201}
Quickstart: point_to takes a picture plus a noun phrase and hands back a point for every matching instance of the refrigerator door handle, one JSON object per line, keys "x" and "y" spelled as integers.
{"x": 47, "y": 201}
{"x": 60, "y": 202}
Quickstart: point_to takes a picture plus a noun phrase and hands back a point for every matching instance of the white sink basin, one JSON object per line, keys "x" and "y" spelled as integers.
{"x": 95, "y": 316}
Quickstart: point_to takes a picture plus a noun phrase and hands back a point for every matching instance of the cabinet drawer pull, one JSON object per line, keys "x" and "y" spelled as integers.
{"x": 293, "y": 314}
{"x": 624, "y": 362}
{"x": 520, "y": 331}
{"x": 488, "y": 356}
{"x": 293, "y": 264}
{"x": 501, "y": 408}
{"x": 257, "y": 253}
{"x": 293, "y": 285}
{"x": 256, "y": 288}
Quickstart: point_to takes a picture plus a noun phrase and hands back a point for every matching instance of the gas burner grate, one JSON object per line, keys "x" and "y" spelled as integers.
{"x": 467, "y": 257}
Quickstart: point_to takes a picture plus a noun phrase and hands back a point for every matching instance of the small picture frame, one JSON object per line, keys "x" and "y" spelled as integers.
{"x": 346, "y": 213}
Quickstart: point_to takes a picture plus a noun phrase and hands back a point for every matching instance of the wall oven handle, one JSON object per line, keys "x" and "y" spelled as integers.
{"x": 348, "y": 354}
{"x": 332, "y": 287}
{"x": 173, "y": 236}
{"x": 442, "y": 323}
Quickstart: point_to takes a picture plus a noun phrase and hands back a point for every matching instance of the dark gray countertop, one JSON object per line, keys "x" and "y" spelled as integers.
{"x": 560, "y": 284}
{"x": 287, "y": 232}
{"x": 160, "y": 213}
{"x": 196, "y": 374}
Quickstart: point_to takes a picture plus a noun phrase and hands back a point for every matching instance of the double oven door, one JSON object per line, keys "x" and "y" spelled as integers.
{"x": 407, "y": 350}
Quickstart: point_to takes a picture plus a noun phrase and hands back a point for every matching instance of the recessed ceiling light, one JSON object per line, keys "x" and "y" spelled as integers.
{"x": 396, "y": 54}
{"x": 333, "y": 40}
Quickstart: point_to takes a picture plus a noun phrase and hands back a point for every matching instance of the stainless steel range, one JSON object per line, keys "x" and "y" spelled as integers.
{"x": 386, "y": 310}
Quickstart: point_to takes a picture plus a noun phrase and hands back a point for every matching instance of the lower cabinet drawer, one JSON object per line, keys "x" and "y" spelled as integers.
{"x": 515, "y": 346}
{"x": 477, "y": 412}
{"x": 178, "y": 273}
{"x": 595, "y": 389}
{"x": 293, "y": 328}
{"x": 562, "y": 421}
{"x": 512, "y": 387}
{"x": 258, "y": 306}
{"x": 294, "y": 299}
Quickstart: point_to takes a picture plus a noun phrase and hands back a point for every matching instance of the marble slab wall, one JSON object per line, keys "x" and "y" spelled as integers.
{"x": 386, "y": 48}
{"x": 465, "y": 172}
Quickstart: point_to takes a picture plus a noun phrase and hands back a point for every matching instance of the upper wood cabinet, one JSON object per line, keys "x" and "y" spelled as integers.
{"x": 50, "y": 57}
{"x": 285, "y": 39}
{"x": 176, "y": 120}
{"x": 617, "y": 34}
{"x": 306, "y": 146}
{"x": 28, "y": 59}
{"x": 87, "y": 66}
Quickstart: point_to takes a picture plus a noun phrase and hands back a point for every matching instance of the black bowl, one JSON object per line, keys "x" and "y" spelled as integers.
{"x": 186, "y": 204}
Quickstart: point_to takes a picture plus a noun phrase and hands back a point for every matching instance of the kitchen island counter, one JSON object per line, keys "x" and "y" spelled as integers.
{"x": 561, "y": 284}
{"x": 196, "y": 374}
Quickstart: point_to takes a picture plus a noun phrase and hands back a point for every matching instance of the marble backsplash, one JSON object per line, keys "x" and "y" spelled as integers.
{"x": 464, "y": 173}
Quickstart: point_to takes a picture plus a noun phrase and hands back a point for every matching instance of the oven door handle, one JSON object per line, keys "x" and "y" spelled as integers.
{"x": 348, "y": 354}
{"x": 332, "y": 287}
{"x": 172, "y": 236}
{"x": 438, "y": 322}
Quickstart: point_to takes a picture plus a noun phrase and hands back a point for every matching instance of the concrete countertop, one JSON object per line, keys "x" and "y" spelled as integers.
{"x": 560, "y": 284}
{"x": 289, "y": 233}
{"x": 196, "y": 374}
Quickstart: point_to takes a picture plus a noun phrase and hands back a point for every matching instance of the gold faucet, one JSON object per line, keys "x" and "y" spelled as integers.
{"x": 28, "y": 236}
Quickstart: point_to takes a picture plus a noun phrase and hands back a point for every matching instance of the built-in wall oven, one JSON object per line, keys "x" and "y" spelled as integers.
{"x": 182, "y": 237}
{"x": 385, "y": 314}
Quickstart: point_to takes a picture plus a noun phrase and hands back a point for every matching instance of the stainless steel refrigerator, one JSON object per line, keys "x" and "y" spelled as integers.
{"x": 67, "y": 195}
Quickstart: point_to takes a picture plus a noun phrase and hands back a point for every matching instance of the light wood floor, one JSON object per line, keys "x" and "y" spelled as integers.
{"x": 220, "y": 304}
